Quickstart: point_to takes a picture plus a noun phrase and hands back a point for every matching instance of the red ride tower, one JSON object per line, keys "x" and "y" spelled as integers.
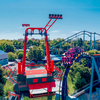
{"x": 36, "y": 79}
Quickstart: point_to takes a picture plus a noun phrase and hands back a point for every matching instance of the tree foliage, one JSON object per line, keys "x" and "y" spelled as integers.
{"x": 19, "y": 51}
{"x": 79, "y": 42}
{"x": 91, "y": 52}
{"x": 2, "y": 82}
{"x": 20, "y": 55}
{"x": 1, "y": 89}
{"x": 7, "y": 46}
{"x": 35, "y": 53}
{"x": 11, "y": 56}
{"x": 17, "y": 44}
{"x": 80, "y": 75}
{"x": 84, "y": 62}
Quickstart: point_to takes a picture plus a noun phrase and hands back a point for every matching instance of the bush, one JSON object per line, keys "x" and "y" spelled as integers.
{"x": 11, "y": 56}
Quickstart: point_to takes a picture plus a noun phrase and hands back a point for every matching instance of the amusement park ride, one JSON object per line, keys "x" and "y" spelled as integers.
{"x": 38, "y": 79}
{"x": 29, "y": 78}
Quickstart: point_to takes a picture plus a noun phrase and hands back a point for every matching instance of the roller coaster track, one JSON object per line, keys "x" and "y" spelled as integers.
{"x": 75, "y": 36}
{"x": 71, "y": 56}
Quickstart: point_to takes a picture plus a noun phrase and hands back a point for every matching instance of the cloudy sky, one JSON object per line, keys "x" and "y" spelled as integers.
{"x": 78, "y": 15}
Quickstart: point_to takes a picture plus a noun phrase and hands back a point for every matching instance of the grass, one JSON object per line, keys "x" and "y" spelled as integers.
{"x": 70, "y": 85}
{"x": 8, "y": 87}
{"x": 41, "y": 98}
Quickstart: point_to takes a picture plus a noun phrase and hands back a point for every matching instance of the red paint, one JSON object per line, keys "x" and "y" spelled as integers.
{"x": 51, "y": 24}
{"x": 47, "y": 24}
{"x": 46, "y": 40}
{"x": 26, "y": 25}
{"x": 48, "y": 85}
{"x": 19, "y": 67}
{"x": 47, "y": 54}
{"x": 44, "y": 79}
{"x": 39, "y": 29}
{"x": 35, "y": 72}
{"x": 52, "y": 65}
{"x": 96, "y": 54}
{"x": 35, "y": 80}
{"x": 24, "y": 55}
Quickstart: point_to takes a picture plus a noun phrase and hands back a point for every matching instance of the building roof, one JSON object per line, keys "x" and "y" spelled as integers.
{"x": 54, "y": 57}
{"x": 2, "y": 52}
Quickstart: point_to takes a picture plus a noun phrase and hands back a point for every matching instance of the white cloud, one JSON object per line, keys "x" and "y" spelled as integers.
{"x": 75, "y": 31}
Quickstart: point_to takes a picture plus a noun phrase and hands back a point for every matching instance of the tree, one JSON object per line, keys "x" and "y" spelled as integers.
{"x": 15, "y": 43}
{"x": 9, "y": 47}
{"x": 20, "y": 44}
{"x": 20, "y": 55}
{"x": 79, "y": 73}
{"x": 79, "y": 42}
{"x": 84, "y": 62}
{"x": 19, "y": 51}
{"x": 2, "y": 82}
{"x": 11, "y": 56}
{"x": 30, "y": 42}
{"x": 1, "y": 89}
{"x": 35, "y": 53}
{"x": 1, "y": 47}
{"x": 91, "y": 52}
{"x": 77, "y": 81}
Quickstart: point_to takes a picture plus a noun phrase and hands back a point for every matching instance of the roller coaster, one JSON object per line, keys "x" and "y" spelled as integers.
{"x": 74, "y": 55}
{"x": 75, "y": 36}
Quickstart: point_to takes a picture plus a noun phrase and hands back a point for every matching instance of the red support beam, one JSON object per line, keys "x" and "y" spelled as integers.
{"x": 47, "y": 25}
{"x": 47, "y": 54}
{"x": 51, "y": 24}
{"x": 24, "y": 55}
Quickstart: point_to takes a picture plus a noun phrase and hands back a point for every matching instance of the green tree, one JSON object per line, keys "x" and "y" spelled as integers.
{"x": 19, "y": 51}
{"x": 20, "y": 44}
{"x": 77, "y": 81}
{"x": 1, "y": 89}
{"x": 20, "y": 55}
{"x": 2, "y": 82}
{"x": 15, "y": 43}
{"x": 9, "y": 47}
{"x": 11, "y": 56}
{"x": 91, "y": 52}
{"x": 79, "y": 42}
{"x": 1, "y": 47}
{"x": 83, "y": 72}
{"x": 84, "y": 62}
{"x": 30, "y": 42}
{"x": 35, "y": 53}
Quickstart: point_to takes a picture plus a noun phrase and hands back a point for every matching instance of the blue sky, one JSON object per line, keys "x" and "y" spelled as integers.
{"x": 78, "y": 15}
